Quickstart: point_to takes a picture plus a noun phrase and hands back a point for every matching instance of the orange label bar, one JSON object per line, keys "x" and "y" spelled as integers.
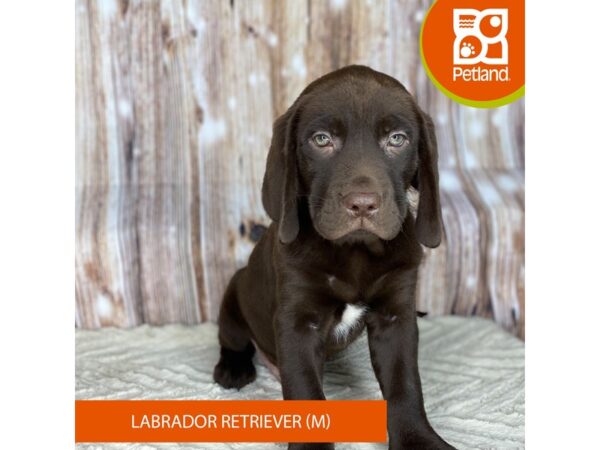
{"x": 230, "y": 421}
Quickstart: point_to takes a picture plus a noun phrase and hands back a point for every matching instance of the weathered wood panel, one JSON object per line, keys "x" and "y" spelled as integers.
{"x": 175, "y": 104}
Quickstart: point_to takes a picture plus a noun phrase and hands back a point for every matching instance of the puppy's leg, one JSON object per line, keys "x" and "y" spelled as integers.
{"x": 235, "y": 368}
{"x": 393, "y": 343}
{"x": 301, "y": 355}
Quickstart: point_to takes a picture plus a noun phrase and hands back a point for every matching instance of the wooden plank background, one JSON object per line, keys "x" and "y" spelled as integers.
{"x": 175, "y": 102}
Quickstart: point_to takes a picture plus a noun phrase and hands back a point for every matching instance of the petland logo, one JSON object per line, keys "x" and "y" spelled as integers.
{"x": 473, "y": 53}
{"x": 480, "y": 41}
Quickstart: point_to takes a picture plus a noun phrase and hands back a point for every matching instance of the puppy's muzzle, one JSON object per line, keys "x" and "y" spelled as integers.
{"x": 361, "y": 204}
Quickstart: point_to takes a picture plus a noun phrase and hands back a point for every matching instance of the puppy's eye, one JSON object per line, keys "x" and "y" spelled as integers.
{"x": 397, "y": 139}
{"x": 322, "y": 140}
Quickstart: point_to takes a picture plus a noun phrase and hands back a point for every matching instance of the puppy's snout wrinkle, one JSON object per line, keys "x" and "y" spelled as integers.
{"x": 362, "y": 204}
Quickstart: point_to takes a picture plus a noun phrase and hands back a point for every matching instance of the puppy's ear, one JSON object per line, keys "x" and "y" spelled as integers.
{"x": 429, "y": 214}
{"x": 280, "y": 184}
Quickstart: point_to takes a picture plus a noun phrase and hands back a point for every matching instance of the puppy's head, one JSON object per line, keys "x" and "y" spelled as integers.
{"x": 352, "y": 144}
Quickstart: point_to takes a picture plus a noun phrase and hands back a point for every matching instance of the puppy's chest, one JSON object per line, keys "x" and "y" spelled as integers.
{"x": 349, "y": 315}
{"x": 351, "y": 288}
{"x": 349, "y": 322}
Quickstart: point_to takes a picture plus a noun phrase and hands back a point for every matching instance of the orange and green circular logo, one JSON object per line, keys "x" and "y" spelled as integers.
{"x": 474, "y": 50}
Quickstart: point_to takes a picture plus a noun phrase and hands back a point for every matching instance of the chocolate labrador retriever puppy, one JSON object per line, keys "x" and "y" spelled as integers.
{"x": 343, "y": 250}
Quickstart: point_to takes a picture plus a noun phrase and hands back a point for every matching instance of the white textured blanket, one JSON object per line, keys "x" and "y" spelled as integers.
{"x": 472, "y": 374}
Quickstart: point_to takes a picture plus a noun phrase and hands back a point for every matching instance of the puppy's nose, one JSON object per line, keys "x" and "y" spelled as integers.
{"x": 362, "y": 204}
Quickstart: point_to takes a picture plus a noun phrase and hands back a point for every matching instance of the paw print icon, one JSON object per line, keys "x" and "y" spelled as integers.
{"x": 480, "y": 36}
{"x": 467, "y": 50}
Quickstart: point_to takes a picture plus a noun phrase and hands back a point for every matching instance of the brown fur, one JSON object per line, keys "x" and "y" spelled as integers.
{"x": 318, "y": 256}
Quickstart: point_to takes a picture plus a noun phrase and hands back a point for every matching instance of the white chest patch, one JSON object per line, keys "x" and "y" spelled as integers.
{"x": 350, "y": 319}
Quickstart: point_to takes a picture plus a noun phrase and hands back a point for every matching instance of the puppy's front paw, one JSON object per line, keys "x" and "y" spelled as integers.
{"x": 420, "y": 441}
{"x": 311, "y": 446}
{"x": 235, "y": 369}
